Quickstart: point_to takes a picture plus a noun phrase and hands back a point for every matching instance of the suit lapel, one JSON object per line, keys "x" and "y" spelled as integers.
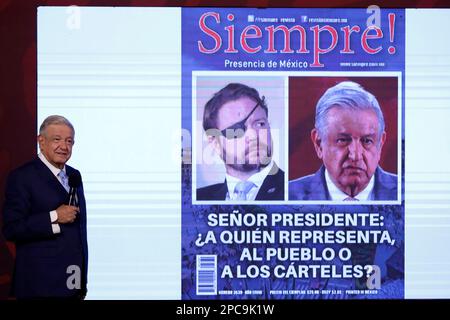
{"x": 80, "y": 195}
{"x": 221, "y": 193}
{"x": 47, "y": 176}
{"x": 273, "y": 186}
{"x": 318, "y": 186}
{"x": 383, "y": 187}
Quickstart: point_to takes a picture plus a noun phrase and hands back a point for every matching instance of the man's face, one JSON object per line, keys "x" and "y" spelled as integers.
{"x": 252, "y": 151}
{"x": 56, "y": 144}
{"x": 350, "y": 148}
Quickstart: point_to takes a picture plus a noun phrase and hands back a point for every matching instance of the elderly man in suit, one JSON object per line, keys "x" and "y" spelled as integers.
{"x": 49, "y": 234}
{"x": 236, "y": 122}
{"x": 348, "y": 136}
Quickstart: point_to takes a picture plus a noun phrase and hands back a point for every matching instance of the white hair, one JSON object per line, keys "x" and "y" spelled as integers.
{"x": 54, "y": 119}
{"x": 346, "y": 95}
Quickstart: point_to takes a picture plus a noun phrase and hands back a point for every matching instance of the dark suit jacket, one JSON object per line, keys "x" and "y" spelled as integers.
{"x": 42, "y": 258}
{"x": 314, "y": 187}
{"x": 272, "y": 188}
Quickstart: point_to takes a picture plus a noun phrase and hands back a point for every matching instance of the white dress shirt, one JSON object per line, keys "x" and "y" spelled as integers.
{"x": 338, "y": 195}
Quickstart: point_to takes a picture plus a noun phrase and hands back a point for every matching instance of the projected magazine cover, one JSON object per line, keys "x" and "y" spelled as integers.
{"x": 293, "y": 153}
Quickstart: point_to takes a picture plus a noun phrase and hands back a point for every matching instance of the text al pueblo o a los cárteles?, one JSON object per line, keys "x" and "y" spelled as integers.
{"x": 280, "y": 255}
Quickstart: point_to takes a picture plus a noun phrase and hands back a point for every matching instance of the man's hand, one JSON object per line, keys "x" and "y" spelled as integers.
{"x": 66, "y": 214}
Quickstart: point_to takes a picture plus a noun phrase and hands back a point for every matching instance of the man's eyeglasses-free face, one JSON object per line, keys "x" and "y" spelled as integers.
{"x": 237, "y": 130}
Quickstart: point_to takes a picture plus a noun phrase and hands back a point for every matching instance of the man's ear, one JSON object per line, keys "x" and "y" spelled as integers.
{"x": 382, "y": 140}
{"x": 40, "y": 140}
{"x": 317, "y": 142}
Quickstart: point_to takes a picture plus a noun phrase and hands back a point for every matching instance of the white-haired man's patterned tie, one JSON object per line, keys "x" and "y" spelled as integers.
{"x": 64, "y": 180}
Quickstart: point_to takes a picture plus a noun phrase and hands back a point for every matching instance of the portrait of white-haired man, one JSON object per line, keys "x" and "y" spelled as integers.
{"x": 348, "y": 137}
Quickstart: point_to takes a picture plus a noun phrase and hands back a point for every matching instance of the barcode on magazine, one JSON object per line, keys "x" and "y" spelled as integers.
{"x": 206, "y": 274}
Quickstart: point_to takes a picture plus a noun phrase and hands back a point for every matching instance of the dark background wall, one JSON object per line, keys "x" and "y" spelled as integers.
{"x": 18, "y": 90}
